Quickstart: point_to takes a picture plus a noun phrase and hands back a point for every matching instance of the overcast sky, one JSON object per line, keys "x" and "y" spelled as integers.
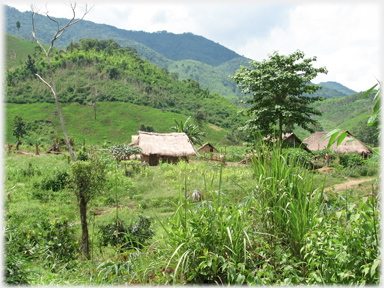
{"x": 343, "y": 35}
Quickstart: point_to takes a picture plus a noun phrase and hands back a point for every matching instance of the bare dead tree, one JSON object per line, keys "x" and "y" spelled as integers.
{"x": 51, "y": 83}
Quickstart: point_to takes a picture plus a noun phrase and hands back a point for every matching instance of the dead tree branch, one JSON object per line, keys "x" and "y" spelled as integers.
{"x": 58, "y": 33}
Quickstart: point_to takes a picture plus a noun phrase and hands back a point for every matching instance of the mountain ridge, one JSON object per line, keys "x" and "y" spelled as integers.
{"x": 217, "y": 81}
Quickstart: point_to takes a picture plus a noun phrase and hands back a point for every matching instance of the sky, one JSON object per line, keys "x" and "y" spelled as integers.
{"x": 343, "y": 35}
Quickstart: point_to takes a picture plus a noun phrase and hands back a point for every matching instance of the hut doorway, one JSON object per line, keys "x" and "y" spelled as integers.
{"x": 153, "y": 160}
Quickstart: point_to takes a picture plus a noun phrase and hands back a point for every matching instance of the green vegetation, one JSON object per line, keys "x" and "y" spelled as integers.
{"x": 269, "y": 223}
{"x": 277, "y": 85}
{"x": 186, "y": 55}
{"x": 345, "y": 113}
{"x": 102, "y": 69}
{"x": 192, "y": 131}
{"x": 123, "y": 117}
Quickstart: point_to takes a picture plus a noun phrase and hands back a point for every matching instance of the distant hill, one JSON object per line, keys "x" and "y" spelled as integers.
{"x": 342, "y": 112}
{"x": 332, "y": 90}
{"x": 104, "y": 71}
{"x": 173, "y": 46}
{"x": 209, "y": 63}
{"x": 161, "y": 48}
{"x": 338, "y": 87}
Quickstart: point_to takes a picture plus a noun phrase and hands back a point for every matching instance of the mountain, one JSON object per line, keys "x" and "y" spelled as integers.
{"x": 161, "y": 48}
{"x": 346, "y": 113}
{"x": 338, "y": 87}
{"x": 94, "y": 71}
{"x": 187, "y": 55}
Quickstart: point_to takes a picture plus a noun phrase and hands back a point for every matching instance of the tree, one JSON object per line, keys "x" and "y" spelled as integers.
{"x": 51, "y": 85}
{"x": 19, "y": 129}
{"x": 277, "y": 86}
{"x": 191, "y": 130}
{"x": 88, "y": 179}
{"x": 18, "y": 26}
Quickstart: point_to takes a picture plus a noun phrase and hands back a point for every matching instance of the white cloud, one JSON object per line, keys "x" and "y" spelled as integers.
{"x": 345, "y": 39}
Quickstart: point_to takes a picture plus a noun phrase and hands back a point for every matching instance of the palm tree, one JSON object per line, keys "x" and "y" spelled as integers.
{"x": 191, "y": 130}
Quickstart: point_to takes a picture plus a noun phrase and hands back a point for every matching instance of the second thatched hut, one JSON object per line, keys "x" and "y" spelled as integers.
{"x": 350, "y": 145}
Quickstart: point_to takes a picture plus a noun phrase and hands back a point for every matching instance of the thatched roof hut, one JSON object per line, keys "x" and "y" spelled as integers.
{"x": 289, "y": 138}
{"x": 168, "y": 147}
{"x": 207, "y": 148}
{"x": 314, "y": 143}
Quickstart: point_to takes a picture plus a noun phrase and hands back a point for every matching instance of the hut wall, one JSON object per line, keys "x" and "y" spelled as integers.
{"x": 153, "y": 159}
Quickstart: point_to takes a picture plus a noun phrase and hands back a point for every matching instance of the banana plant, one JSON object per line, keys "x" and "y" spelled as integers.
{"x": 191, "y": 130}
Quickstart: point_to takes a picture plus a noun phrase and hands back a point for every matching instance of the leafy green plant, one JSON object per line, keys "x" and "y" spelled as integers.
{"x": 58, "y": 242}
{"x": 55, "y": 183}
{"x": 82, "y": 155}
{"x": 209, "y": 240}
{"x": 124, "y": 236}
{"x": 344, "y": 247}
{"x": 285, "y": 196}
{"x": 16, "y": 257}
{"x": 191, "y": 130}
{"x": 351, "y": 160}
{"x": 122, "y": 151}
{"x": 88, "y": 179}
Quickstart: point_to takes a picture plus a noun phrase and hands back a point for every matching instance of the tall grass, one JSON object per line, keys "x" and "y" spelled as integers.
{"x": 285, "y": 197}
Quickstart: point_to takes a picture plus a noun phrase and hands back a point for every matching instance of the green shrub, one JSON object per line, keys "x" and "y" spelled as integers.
{"x": 55, "y": 183}
{"x": 82, "y": 156}
{"x": 351, "y": 160}
{"x": 137, "y": 197}
{"x": 297, "y": 156}
{"x": 143, "y": 204}
{"x": 344, "y": 247}
{"x": 120, "y": 235}
{"x": 57, "y": 241}
{"x": 18, "y": 251}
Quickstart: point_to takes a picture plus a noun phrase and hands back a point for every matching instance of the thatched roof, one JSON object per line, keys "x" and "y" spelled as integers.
{"x": 207, "y": 144}
{"x": 284, "y": 136}
{"x": 289, "y": 137}
{"x": 315, "y": 143}
{"x": 167, "y": 144}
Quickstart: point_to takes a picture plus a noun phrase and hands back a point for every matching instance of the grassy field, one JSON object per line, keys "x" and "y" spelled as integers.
{"x": 81, "y": 123}
{"x": 257, "y": 224}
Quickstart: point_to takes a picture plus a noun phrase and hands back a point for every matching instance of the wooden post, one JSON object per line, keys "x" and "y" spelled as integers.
{"x": 84, "y": 144}
{"x": 37, "y": 149}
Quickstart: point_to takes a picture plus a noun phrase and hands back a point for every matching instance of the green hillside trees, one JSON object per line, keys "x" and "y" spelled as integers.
{"x": 101, "y": 69}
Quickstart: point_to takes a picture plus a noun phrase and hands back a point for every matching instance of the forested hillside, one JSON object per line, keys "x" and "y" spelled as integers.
{"x": 209, "y": 63}
{"x": 94, "y": 71}
{"x": 347, "y": 113}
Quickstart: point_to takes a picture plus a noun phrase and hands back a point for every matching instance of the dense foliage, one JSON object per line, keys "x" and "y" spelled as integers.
{"x": 186, "y": 55}
{"x": 102, "y": 69}
{"x": 277, "y": 86}
{"x": 270, "y": 223}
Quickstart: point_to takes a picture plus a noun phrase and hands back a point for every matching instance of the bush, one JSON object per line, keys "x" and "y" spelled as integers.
{"x": 351, "y": 160}
{"x": 137, "y": 197}
{"x": 58, "y": 241}
{"x": 297, "y": 156}
{"x": 120, "y": 235}
{"x": 344, "y": 247}
{"x": 55, "y": 183}
{"x": 16, "y": 257}
{"x": 82, "y": 156}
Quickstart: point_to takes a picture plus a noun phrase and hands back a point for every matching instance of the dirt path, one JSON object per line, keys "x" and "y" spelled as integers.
{"x": 348, "y": 184}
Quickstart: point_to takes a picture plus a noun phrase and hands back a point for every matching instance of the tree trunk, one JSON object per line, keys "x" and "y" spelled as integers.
{"x": 18, "y": 143}
{"x": 280, "y": 132}
{"x": 84, "y": 227}
{"x": 63, "y": 126}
